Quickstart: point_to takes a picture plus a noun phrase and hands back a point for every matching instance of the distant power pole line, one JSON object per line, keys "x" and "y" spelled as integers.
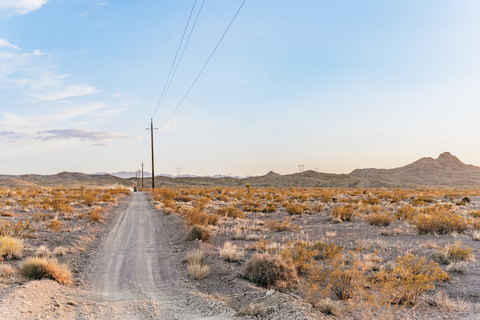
{"x": 316, "y": 169}
{"x": 142, "y": 173}
{"x": 138, "y": 180}
{"x": 153, "y": 160}
{"x": 300, "y": 167}
{"x": 179, "y": 172}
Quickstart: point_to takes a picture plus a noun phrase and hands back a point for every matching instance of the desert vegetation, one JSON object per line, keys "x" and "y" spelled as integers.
{"x": 41, "y": 227}
{"x": 373, "y": 252}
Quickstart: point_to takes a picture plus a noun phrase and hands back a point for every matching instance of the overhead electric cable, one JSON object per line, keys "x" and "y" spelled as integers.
{"x": 208, "y": 60}
{"x": 183, "y": 51}
{"x": 173, "y": 63}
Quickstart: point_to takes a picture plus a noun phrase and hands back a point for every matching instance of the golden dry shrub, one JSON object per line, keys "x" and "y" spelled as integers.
{"x": 196, "y": 216}
{"x": 410, "y": 277}
{"x": 383, "y": 218}
{"x": 195, "y": 256}
{"x": 198, "y": 232}
{"x": 335, "y": 277}
{"x": 95, "y": 215}
{"x": 230, "y": 253}
{"x": 301, "y": 253}
{"x": 231, "y": 211}
{"x": 269, "y": 207}
{"x": 440, "y": 222}
{"x": 286, "y": 225}
{"x": 38, "y": 268}
{"x": 198, "y": 271}
{"x": 10, "y": 247}
{"x": 55, "y": 226}
{"x": 270, "y": 271}
{"x": 343, "y": 213}
{"x": 89, "y": 197}
{"x": 296, "y": 208}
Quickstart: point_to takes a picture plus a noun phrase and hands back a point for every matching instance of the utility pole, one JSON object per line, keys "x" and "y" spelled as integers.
{"x": 300, "y": 167}
{"x": 142, "y": 173}
{"x": 179, "y": 172}
{"x": 153, "y": 159}
{"x": 138, "y": 180}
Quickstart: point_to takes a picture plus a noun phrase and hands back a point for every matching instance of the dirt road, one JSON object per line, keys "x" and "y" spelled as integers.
{"x": 136, "y": 271}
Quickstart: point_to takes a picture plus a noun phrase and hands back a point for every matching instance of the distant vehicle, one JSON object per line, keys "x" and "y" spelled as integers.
{"x": 134, "y": 189}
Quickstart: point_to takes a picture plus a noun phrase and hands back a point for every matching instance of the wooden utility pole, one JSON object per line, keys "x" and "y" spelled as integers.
{"x": 153, "y": 159}
{"x": 142, "y": 173}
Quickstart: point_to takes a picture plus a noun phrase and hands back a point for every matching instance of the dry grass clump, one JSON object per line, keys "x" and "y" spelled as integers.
{"x": 254, "y": 310}
{"x": 10, "y": 247}
{"x": 55, "y": 226}
{"x": 440, "y": 222}
{"x": 270, "y": 271}
{"x": 196, "y": 216}
{"x": 329, "y": 307}
{"x": 6, "y": 270}
{"x": 231, "y": 211}
{"x": 343, "y": 213}
{"x": 380, "y": 219}
{"x": 453, "y": 253}
{"x": 443, "y": 302}
{"x": 196, "y": 265}
{"x": 296, "y": 208}
{"x": 198, "y": 232}
{"x": 95, "y": 215}
{"x": 230, "y": 253}
{"x": 38, "y": 268}
{"x": 276, "y": 225}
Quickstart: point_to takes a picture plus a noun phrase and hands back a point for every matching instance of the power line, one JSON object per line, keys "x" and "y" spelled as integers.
{"x": 208, "y": 60}
{"x": 181, "y": 55}
{"x": 173, "y": 63}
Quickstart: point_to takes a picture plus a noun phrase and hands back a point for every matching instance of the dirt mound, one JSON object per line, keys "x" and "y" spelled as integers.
{"x": 17, "y": 183}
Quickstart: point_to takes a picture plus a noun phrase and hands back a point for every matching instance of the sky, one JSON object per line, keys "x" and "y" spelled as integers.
{"x": 330, "y": 85}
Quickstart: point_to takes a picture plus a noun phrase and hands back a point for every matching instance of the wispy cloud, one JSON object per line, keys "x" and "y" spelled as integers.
{"x": 427, "y": 138}
{"x": 101, "y": 145}
{"x": 66, "y": 92}
{"x": 20, "y": 7}
{"x": 5, "y": 43}
{"x": 36, "y": 75}
{"x": 169, "y": 125}
{"x": 85, "y": 14}
{"x": 92, "y": 135}
{"x": 102, "y": 3}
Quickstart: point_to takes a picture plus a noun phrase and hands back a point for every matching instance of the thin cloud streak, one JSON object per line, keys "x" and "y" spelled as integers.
{"x": 20, "y": 7}
{"x": 92, "y": 135}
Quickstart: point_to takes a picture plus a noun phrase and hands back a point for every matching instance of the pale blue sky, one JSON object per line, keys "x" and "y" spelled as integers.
{"x": 334, "y": 85}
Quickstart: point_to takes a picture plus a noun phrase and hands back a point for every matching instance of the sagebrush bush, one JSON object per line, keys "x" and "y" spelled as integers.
{"x": 230, "y": 253}
{"x": 10, "y": 247}
{"x": 55, "y": 225}
{"x": 270, "y": 271}
{"x": 38, "y": 268}
{"x": 276, "y": 225}
{"x": 380, "y": 219}
{"x": 95, "y": 215}
{"x": 198, "y": 232}
{"x": 440, "y": 222}
{"x": 198, "y": 271}
{"x": 231, "y": 211}
{"x": 196, "y": 216}
{"x": 343, "y": 213}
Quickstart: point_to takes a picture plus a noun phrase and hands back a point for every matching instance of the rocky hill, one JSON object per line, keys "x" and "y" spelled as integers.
{"x": 446, "y": 170}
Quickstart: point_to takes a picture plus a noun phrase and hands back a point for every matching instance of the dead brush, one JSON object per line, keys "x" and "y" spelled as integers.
{"x": 55, "y": 226}
{"x": 383, "y": 219}
{"x": 38, "y": 268}
{"x": 198, "y": 232}
{"x": 343, "y": 213}
{"x": 440, "y": 222}
{"x": 230, "y": 253}
{"x": 254, "y": 310}
{"x": 231, "y": 211}
{"x": 10, "y": 247}
{"x": 270, "y": 271}
{"x": 6, "y": 270}
{"x": 453, "y": 253}
{"x": 95, "y": 215}
{"x": 286, "y": 225}
{"x": 196, "y": 216}
{"x": 297, "y": 208}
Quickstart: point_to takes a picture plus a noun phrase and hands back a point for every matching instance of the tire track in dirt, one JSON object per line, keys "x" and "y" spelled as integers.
{"x": 134, "y": 274}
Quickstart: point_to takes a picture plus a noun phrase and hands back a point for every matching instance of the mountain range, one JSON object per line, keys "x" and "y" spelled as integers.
{"x": 444, "y": 171}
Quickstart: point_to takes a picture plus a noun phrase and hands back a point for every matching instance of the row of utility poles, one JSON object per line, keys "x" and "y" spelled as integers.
{"x": 151, "y": 129}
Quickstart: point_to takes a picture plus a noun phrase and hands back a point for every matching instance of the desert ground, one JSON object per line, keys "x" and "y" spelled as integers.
{"x": 232, "y": 253}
